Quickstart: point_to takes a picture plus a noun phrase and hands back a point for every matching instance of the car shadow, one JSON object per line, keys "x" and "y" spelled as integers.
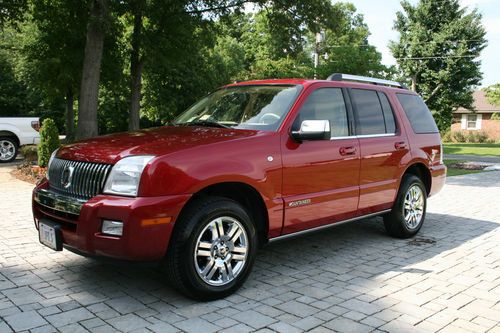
{"x": 350, "y": 257}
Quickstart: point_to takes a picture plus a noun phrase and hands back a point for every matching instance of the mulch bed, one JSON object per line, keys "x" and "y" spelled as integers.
{"x": 29, "y": 173}
{"x": 467, "y": 166}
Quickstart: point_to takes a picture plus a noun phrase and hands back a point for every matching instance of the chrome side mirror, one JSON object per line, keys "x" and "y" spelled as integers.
{"x": 312, "y": 130}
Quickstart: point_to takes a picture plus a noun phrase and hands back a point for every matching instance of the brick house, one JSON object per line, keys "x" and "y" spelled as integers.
{"x": 480, "y": 120}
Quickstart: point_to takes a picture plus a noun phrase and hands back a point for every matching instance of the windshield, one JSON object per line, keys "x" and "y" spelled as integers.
{"x": 259, "y": 107}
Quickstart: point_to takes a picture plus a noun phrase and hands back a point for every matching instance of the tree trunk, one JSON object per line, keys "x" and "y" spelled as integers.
{"x": 135, "y": 73}
{"x": 70, "y": 116}
{"x": 414, "y": 83}
{"x": 89, "y": 90}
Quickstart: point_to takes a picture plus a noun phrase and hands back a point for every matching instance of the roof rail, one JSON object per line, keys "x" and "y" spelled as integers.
{"x": 364, "y": 79}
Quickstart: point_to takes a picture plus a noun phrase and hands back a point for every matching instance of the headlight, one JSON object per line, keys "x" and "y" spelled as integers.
{"x": 50, "y": 162}
{"x": 125, "y": 176}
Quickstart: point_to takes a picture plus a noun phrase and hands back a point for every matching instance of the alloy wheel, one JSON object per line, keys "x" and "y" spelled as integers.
{"x": 221, "y": 251}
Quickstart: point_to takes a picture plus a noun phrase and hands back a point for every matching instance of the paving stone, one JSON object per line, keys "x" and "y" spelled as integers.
{"x": 226, "y": 322}
{"x": 296, "y": 308}
{"x": 308, "y": 323}
{"x": 347, "y": 325}
{"x": 284, "y": 328}
{"x": 125, "y": 304}
{"x": 350, "y": 278}
{"x": 73, "y": 328}
{"x": 238, "y": 328}
{"x": 254, "y": 319}
{"x": 163, "y": 328}
{"x": 42, "y": 329}
{"x": 22, "y": 295}
{"x": 25, "y": 320}
{"x": 196, "y": 325}
{"x": 68, "y": 317}
{"x": 128, "y": 322}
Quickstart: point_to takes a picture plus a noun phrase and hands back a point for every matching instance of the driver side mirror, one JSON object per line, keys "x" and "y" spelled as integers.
{"x": 312, "y": 130}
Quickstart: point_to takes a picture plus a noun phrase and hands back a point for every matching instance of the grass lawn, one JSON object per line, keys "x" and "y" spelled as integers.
{"x": 457, "y": 172}
{"x": 480, "y": 149}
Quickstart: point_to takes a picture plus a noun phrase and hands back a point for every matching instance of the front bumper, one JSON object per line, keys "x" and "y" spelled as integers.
{"x": 147, "y": 222}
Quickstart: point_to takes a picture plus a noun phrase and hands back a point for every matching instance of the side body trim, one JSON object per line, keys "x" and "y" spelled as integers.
{"x": 303, "y": 232}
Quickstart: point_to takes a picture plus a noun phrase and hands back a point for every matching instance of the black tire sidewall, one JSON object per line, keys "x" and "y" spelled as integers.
{"x": 199, "y": 288}
{"x": 16, "y": 149}
{"x": 408, "y": 182}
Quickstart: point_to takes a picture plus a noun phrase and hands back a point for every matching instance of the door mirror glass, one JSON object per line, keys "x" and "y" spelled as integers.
{"x": 312, "y": 130}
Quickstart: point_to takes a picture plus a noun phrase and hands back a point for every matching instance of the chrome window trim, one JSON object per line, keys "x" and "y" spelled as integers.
{"x": 375, "y": 135}
{"x": 363, "y": 136}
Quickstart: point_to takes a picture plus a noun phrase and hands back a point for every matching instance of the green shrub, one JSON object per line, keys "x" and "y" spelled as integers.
{"x": 49, "y": 141}
{"x": 446, "y": 136}
{"x": 470, "y": 137}
{"x": 30, "y": 153}
{"x": 482, "y": 137}
{"x": 495, "y": 116}
{"x": 459, "y": 136}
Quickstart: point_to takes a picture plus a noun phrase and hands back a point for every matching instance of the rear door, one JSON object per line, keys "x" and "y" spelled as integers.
{"x": 320, "y": 177}
{"x": 383, "y": 147}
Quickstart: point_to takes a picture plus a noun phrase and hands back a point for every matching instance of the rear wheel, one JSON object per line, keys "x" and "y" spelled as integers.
{"x": 8, "y": 149}
{"x": 408, "y": 213}
{"x": 212, "y": 249}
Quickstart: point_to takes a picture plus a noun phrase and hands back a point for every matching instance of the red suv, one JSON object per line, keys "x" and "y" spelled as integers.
{"x": 250, "y": 163}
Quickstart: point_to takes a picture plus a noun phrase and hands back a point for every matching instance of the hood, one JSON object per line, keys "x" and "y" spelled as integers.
{"x": 154, "y": 141}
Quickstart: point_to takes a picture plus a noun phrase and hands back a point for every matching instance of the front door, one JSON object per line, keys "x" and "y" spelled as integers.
{"x": 320, "y": 177}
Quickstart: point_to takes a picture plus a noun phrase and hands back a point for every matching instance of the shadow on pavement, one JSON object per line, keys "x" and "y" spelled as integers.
{"x": 350, "y": 256}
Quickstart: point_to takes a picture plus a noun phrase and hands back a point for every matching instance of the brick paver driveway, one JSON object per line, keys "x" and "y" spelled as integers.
{"x": 352, "y": 278}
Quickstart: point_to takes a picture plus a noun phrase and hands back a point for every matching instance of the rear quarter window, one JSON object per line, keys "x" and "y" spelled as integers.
{"x": 418, "y": 114}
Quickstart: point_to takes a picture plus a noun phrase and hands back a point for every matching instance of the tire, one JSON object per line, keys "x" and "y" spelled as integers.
{"x": 200, "y": 260}
{"x": 8, "y": 149}
{"x": 405, "y": 221}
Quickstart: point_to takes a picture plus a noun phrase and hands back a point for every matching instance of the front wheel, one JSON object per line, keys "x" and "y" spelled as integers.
{"x": 408, "y": 213}
{"x": 212, "y": 249}
{"x": 8, "y": 149}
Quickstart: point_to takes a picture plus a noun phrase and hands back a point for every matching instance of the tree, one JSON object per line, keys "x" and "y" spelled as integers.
{"x": 493, "y": 94}
{"x": 159, "y": 14}
{"x": 12, "y": 11}
{"x": 53, "y": 52}
{"x": 346, "y": 48}
{"x": 89, "y": 88}
{"x": 437, "y": 49}
{"x": 17, "y": 97}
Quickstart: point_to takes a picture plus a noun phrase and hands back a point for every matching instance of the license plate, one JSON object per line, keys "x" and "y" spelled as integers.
{"x": 50, "y": 236}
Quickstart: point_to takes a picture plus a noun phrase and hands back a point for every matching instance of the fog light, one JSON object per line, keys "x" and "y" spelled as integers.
{"x": 114, "y": 228}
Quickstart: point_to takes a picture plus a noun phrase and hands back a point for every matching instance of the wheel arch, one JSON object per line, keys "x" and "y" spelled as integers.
{"x": 244, "y": 194}
{"x": 420, "y": 170}
{"x": 9, "y": 134}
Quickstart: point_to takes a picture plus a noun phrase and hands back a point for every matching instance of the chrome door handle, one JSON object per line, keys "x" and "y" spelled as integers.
{"x": 347, "y": 151}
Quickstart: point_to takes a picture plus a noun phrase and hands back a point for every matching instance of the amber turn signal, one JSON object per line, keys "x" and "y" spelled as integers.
{"x": 160, "y": 220}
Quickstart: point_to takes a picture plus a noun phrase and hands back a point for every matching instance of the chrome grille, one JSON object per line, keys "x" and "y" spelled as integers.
{"x": 87, "y": 178}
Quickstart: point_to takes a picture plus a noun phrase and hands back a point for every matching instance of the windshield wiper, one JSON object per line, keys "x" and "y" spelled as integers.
{"x": 206, "y": 123}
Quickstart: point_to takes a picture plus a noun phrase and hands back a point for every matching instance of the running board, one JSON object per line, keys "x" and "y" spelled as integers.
{"x": 304, "y": 232}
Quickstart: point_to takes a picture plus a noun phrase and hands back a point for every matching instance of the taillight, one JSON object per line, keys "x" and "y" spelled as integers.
{"x": 36, "y": 125}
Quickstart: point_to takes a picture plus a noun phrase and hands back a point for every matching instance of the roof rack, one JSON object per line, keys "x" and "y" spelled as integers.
{"x": 364, "y": 79}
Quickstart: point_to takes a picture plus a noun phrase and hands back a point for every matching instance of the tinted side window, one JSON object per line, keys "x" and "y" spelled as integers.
{"x": 418, "y": 114}
{"x": 325, "y": 104}
{"x": 369, "y": 111}
{"x": 390, "y": 124}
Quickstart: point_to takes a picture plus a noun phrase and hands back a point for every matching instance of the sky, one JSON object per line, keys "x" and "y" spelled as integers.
{"x": 379, "y": 16}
